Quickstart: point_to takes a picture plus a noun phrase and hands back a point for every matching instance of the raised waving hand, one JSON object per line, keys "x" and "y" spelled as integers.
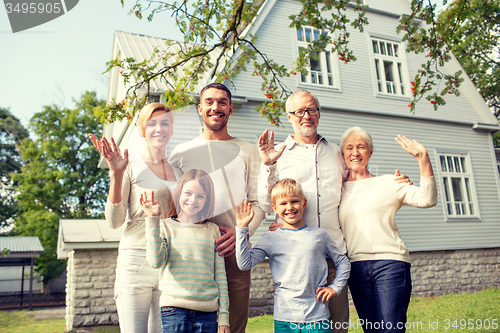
{"x": 111, "y": 153}
{"x": 150, "y": 207}
{"x": 269, "y": 155}
{"x": 417, "y": 150}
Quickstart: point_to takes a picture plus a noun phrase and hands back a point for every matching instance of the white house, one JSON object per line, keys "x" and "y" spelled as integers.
{"x": 454, "y": 246}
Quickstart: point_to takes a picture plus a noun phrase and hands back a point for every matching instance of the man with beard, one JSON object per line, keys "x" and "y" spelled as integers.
{"x": 319, "y": 167}
{"x": 233, "y": 165}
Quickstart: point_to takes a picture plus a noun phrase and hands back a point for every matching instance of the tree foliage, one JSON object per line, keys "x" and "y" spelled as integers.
{"x": 476, "y": 44}
{"x": 12, "y": 132}
{"x": 60, "y": 178}
{"x": 496, "y": 139}
{"x": 214, "y": 43}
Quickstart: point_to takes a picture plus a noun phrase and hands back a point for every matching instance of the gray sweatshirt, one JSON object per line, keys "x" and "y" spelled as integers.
{"x": 298, "y": 265}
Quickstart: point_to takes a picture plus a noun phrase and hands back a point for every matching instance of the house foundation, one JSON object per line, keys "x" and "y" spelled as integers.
{"x": 91, "y": 276}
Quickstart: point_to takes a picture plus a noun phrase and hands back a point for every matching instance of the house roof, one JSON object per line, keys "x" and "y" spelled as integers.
{"x": 21, "y": 247}
{"x": 86, "y": 234}
{"x": 141, "y": 47}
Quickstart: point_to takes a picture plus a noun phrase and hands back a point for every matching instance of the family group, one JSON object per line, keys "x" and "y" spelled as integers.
{"x": 184, "y": 257}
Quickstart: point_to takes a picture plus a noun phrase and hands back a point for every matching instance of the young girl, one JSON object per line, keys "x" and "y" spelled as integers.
{"x": 192, "y": 277}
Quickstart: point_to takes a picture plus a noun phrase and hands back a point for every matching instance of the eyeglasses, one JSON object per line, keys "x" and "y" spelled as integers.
{"x": 301, "y": 113}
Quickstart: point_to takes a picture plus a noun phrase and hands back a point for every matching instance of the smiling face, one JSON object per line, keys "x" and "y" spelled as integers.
{"x": 290, "y": 208}
{"x": 159, "y": 129}
{"x": 191, "y": 201}
{"x": 306, "y": 126}
{"x": 215, "y": 108}
{"x": 356, "y": 152}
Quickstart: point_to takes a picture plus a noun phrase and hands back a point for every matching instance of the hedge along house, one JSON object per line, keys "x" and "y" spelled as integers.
{"x": 454, "y": 246}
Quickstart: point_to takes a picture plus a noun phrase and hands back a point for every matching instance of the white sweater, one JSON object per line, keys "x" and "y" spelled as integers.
{"x": 367, "y": 215}
{"x": 137, "y": 179}
{"x": 233, "y": 166}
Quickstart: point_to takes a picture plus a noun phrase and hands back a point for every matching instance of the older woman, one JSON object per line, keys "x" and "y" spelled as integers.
{"x": 136, "y": 285}
{"x": 380, "y": 280}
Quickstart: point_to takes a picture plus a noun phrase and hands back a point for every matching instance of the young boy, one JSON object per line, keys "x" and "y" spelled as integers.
{"x": 296, "y": 255}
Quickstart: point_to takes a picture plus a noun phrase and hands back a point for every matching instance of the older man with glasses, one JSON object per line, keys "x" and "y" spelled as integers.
{"x": 319, "y": 167}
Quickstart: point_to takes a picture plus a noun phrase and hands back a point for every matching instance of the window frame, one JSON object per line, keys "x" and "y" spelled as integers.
{"x": 398, "y": 73}
{"x": 334, "y": 66}
{"x": 464, "y": 158}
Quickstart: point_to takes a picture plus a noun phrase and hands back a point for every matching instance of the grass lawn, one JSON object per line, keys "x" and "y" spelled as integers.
{"x": 449, "y": 313}
{"x": 437, "y": 314}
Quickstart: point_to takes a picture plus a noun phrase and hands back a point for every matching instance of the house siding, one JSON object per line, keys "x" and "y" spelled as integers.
{"x": 357, "y": 88}
{"x": 421, "y": 229}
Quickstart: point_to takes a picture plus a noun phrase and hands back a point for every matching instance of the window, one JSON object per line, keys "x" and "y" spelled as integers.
{"x": 459, "y": 190}
{"x": 154, "y": 98}
{"x": 389, "y": 68}
{"x": 322, "y": 67}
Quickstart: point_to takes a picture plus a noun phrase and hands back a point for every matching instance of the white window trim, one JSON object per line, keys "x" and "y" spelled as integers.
{"x": 440, "y": 184}
{"x": 333, "y": 62}
{"x": 404, "y": 64}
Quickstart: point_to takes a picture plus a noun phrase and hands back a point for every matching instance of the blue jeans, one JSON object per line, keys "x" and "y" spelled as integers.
{"x": 381, "y": 292}
{"x": 180, "y": 320}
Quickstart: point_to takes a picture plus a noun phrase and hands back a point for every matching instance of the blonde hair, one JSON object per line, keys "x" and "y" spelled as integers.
{"x": 147, "y": 111}
{"x": 357, "y": 131}
{"x": 287, "y": 186}
{"x": 206, "y": 183}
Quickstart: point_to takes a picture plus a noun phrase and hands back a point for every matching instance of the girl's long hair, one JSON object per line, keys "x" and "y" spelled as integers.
{"x": 206, "y": 183}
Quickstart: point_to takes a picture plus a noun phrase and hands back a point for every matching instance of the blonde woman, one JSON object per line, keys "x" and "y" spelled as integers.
{"x": 136, "y": 286}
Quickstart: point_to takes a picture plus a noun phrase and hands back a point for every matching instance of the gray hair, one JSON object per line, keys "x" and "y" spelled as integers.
{"x": 358, "y": 131}
{"x": 298, "y": 93}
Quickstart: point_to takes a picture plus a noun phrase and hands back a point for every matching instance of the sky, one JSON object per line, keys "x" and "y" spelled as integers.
{"x": 56, "y": 62}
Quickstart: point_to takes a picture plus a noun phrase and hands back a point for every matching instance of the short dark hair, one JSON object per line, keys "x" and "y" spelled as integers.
{"x": 219, "y": 86}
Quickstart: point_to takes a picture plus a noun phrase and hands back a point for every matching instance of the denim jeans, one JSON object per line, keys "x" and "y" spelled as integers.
{"x": 180, "y": 320}
{"x": 381, "y": 292}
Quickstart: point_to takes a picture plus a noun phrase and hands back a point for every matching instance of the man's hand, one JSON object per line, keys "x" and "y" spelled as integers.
{"x": 275, "y": 226}
{"x": 226, "y": 244}
{"x": 150, "y": 207}
{"x": 244, "y": 214}
{"x": 269, "y": 155}
{"x": 402, "y": 178}
{"x": 224, "y": 329}
{"x": 325, "y": 293}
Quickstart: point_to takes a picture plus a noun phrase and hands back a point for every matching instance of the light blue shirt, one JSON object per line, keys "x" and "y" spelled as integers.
{"x": 319, "y": 168}
{"x": 298, "y": 265}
